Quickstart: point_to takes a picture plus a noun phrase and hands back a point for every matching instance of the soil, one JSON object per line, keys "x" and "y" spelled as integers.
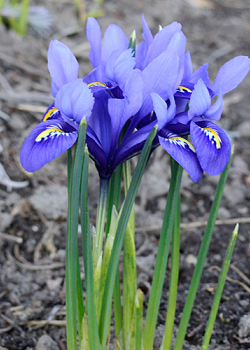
{"x": 32, "y": 275}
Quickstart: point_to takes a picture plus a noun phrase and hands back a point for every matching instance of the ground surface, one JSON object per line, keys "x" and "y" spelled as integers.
{"x": 32, "y": 264}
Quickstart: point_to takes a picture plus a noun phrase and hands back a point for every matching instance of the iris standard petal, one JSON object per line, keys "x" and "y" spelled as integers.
{"x": 94, "y": 36}
{"x": 201, "y": 73}
{"x": 215, "y": 111}
{"x": 114, "y": 39}
{"x": 161, "y": 71}
{"x": 162, "y": 40}
{"x": 75, "y": 100}
{"x": 146, "y": 34}
{"x": 163, "y": 113}
{"x": 120, "y": 67}
{"x": 120, "y": 110}
{"x": 231, "y": 75}
{"x": 178, "y": 44}
{"x": 200, "y": 100}
{"x": 212, "y": 146}
{"x": 188, "y": 67}
{"x": 62, "y": 64}
{"x": 142, "y": 48}
{"x": 184, "y": 153}
{"x": 47, "y": 140}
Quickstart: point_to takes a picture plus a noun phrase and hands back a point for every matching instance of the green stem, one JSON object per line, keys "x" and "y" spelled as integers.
{"x": 218, "y": 294}
{"x": 120, "y": 232}
{"x": 72, "y": 258}
{"x": 100, "y": 220}
{"x": 162, "y": 257}
{"x": 174, "y": 276}
{"x": 114, "y": 195}
{"x": 114, "y": 200}
{"x": 201, "y": 260}
{"x": 92, "y": 335}
{"x": 129, "y": 266}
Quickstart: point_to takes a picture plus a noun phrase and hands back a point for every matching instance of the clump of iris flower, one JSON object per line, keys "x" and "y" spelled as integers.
{"x": 190, "y": 111}
{"x": 122, "y": 90}
{"x": 119, "y": 95}
{"x": 58, "y": 129}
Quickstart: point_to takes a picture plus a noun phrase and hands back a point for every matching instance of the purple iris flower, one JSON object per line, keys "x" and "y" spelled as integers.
{"x": 58, "y": 129}
{"x": 190, "y": 111}
{"x": 122, "y": 82}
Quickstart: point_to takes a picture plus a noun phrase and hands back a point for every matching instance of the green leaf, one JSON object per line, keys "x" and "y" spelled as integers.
{"x": 72, "y": 258}
{"x": 139, "y": 319}
{"x": 162, "y": 257}
{"x": 201, "y": 259}
{"x": 23, "y": 20}
{"x": 219, "y": 290}
{"x": 174, "y": 276}
{"x": 87, "y": 258}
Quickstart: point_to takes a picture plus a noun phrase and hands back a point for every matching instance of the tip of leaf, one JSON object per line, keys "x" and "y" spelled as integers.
{"x": 156, "y": 127}
{"x": 133, "y": 35}
{"x": 232, "y": 150}
{"x": 83, "y": 121}
{"x": 236, "y": 230}
{"x": 86, "y": 150}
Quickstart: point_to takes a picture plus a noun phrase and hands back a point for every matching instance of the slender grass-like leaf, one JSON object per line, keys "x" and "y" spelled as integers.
{"x": 114, "y": 201}
{"x": 132, "y": 42}
{"x": 129, "y": 266}
{"x": 174, "y": 276}
{"x": 100, "y": 220}
{"x": 201, "y": 259}
{"x": 219, "y": 290}
{"x": 84, "y": 343}
{"x": 139, "y": 318}
{"x": 72, "y": 259}
{"x": 129, "y": 285}
{"x": 114, "y": 259}
{"x": 87, "y": 258}
{"x": 80, "y": 303}
{"x": 162, "y": 257}
{"x": 23, "y": 20}
{"x": 69, "y": 167}
{"x": 113, "y": 195}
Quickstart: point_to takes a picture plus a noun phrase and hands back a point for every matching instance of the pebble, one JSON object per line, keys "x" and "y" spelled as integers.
{"x": 45, "y": 342}
{"x": 5, "y": 221}
{"x": 244, "y": 326}
{"x": 191, "y": 259}
{"x": 51, "y": 201}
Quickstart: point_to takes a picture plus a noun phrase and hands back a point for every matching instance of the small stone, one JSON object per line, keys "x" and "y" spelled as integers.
{"x": 45, "y": 342}
{"x": 5, "y": 221}
{"x": 223, "y": 213}
{"x": 191, "y": 259}
{"x": 54, "y": 284}
{"x": 244, "y": 326}
{"x": 51, "y": 201}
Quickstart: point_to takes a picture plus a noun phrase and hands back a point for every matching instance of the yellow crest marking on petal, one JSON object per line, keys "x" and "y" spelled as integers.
{"x": 183, "y": 141}
{"x": 45, "y": 133}
{"x": 96, "y": 83}
{"x": 184, "y": 88}
{"x": 216, "y": 137}
{"x": 49, "y": 113}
